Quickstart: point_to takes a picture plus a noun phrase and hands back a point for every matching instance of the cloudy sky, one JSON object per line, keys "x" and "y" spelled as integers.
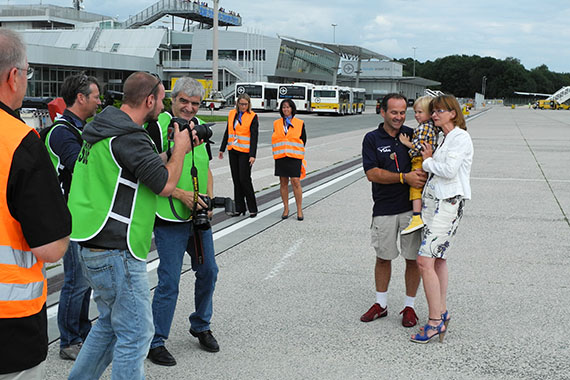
{"x": 525, "y": 30}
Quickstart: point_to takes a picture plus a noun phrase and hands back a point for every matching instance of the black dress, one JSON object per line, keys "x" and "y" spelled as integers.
{"x": 288, "y": 166}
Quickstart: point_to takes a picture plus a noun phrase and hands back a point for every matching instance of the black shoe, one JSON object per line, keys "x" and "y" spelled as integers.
{"x": 160, "y": 355}
{"x": 252, "y": 214}
{"x": 207, "y": 340}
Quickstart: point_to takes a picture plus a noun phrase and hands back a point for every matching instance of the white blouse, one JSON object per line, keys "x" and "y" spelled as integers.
{"x": 451, "y": 166}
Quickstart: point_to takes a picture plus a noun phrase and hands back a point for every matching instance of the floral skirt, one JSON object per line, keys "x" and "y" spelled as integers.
{"x": 441, "y": 218}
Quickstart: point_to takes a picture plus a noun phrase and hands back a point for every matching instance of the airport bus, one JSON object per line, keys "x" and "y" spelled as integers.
{"x": 331, "y": 99}
{"x": 357, "y": 100}
{"x": 299, "y": 93}
{"x": 263, "y": 94}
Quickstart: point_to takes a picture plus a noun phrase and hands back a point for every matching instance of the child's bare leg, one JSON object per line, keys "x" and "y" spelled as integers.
{"x": 417, "y": 206}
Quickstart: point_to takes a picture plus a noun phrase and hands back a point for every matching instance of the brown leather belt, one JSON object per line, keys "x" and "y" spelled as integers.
{"x": 97, "y": 250}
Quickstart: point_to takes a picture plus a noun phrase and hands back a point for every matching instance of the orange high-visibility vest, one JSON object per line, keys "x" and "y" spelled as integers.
{"x": 290, "y": 144}
{"x": 23, "y": 284}
{"x": 240, "y": 136}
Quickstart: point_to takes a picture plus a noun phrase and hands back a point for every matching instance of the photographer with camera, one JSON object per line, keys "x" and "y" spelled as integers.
{"x": 116, "y": 181}
{"x": 192, "y": 234}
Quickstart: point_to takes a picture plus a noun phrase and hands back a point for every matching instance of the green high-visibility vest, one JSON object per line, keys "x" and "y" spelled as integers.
{"x": 202, "y": 163}
{"x": 97, "y": 181}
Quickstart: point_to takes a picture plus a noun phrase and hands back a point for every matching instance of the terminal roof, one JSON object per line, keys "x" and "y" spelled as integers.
{"x": 351, "y": 52}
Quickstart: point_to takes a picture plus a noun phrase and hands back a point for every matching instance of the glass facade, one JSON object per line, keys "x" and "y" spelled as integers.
{"x": 298, "y": 59}
{"x": 238, "y": 55}
{"x": 47, "y": 80}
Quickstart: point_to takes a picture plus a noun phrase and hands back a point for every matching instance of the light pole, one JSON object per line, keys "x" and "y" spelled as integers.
{"x": 334, "y": 30}
{"x": 215, "y": 48}
{"x": 414, "y": 73}
{"x": 483, "y": 85}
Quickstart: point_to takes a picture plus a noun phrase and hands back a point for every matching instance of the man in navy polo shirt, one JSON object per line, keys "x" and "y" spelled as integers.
{"x": 387, "y": 165}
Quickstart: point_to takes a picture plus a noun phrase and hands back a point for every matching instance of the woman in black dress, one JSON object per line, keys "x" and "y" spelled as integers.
{"x": 288, "y": 142}
{"x": 241, "y": 140}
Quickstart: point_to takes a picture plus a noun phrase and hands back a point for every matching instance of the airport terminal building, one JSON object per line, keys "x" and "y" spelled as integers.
{"x": 62, "y": 41}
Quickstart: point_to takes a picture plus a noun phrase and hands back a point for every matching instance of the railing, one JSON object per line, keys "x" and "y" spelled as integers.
{"x": 50, "y": 11}
{"x": 561, "y": 95}
{"x": 94, "y": 39}
{"x": 163, "y": 7}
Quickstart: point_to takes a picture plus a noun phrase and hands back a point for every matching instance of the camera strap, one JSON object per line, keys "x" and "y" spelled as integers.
{"x": 172, "y": 208}
{"x": 198, "y": 248}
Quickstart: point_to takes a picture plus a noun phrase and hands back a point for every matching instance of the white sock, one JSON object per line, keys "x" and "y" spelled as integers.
{"x": 409, "y": 301}
{"x": 382, "y": 298}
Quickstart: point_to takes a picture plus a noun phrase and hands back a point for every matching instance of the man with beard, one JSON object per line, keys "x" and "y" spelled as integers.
{"x": 113, "y": 197}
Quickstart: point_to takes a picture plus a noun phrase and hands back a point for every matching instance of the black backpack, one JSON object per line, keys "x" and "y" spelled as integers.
{"x": 44, "y": 132}
{"x": 64, "y": 175}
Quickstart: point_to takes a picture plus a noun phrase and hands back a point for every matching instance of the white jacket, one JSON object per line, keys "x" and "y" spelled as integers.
{"x": 451, "y": 166}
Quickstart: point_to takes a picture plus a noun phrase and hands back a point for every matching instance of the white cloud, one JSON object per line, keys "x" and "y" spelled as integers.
{"x": 392, "y": 27}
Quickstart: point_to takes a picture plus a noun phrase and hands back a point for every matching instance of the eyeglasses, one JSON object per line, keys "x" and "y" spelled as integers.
{"x": 439, "y": 111}
{"x": 243, "y": 104}
{"x": 158, "y": 81}
{"x": 83, "y": 80}
{"x": 29, "y": 71}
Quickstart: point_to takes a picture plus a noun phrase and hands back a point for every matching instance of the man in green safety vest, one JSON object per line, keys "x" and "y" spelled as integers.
{"x": 113, "y": 200}
{"x": 174, "y": 236}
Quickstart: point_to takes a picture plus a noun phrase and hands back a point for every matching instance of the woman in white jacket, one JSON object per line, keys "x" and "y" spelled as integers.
{"x": 443, "y": 199}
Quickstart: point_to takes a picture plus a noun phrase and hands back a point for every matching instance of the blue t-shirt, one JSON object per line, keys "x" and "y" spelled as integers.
{"x": 380, "y": 150}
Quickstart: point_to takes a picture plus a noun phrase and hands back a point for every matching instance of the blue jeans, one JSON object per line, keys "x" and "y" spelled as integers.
{"x": 171, "y": 243}
{"x": 124, "y": 330}
{"x": 73, "y": 310}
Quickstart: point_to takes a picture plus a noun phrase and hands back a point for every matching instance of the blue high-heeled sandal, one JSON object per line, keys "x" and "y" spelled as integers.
{"x": 423, "y": 338}
{"x": 445, "y": 317}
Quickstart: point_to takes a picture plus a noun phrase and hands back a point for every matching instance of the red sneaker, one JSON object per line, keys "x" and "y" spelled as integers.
{"x": 376, "y": 311}
{"x": 409, "y": 319}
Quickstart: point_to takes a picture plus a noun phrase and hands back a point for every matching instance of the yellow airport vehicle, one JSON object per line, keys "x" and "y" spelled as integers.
{"x": 545, "y": 104}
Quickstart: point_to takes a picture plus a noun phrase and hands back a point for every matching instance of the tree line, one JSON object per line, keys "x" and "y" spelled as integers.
{"x": 462, "y": 76}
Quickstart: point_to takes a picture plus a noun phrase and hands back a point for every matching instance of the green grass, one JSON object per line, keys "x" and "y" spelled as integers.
{"x": 212, "y": 118}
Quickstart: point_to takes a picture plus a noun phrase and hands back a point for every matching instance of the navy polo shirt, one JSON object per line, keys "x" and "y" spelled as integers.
{"x": 380, "y": 150}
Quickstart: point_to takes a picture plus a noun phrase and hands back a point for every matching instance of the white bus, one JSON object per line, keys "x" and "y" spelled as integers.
{"x": 299, "y": 93}
{"x": 331, "y": 99}
{"x": 263, "y": 94}
{"x": 357, "y": 100}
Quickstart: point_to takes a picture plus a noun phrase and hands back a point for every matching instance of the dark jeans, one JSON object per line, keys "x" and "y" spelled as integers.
{"x": 241, "y": 176}
{"x": 73, "y": 310}
{"x": 171, "y": 243}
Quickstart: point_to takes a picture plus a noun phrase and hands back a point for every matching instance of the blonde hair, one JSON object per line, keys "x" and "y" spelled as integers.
{"x": 423, "y": 103}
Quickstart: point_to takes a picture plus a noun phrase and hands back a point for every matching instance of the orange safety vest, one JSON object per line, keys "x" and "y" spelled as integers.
{"x": 23, "y": 284}
{"x": 290, "y": 144}
{"x": 240, "y": 135}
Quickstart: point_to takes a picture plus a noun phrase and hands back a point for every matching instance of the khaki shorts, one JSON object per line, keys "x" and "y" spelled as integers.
{"x": 386, "y": 236}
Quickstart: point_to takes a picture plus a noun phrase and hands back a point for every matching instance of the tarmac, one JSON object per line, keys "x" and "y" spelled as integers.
{"x": 289, "y": 294}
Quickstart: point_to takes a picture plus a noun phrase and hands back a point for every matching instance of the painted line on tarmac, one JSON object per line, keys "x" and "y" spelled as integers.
{"x": 519, "y": 179}
{"x": 290, "y": 253}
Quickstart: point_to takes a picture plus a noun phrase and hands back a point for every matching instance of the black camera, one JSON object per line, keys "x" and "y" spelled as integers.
{"x": 201, "y": 220}
{"x": 203, "y": 131}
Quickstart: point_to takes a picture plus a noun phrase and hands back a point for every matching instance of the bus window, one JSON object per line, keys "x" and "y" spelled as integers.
{"x": 325, "y": 94}
{"x": 292, "y": 92}
{"x": 252, "y": 91}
